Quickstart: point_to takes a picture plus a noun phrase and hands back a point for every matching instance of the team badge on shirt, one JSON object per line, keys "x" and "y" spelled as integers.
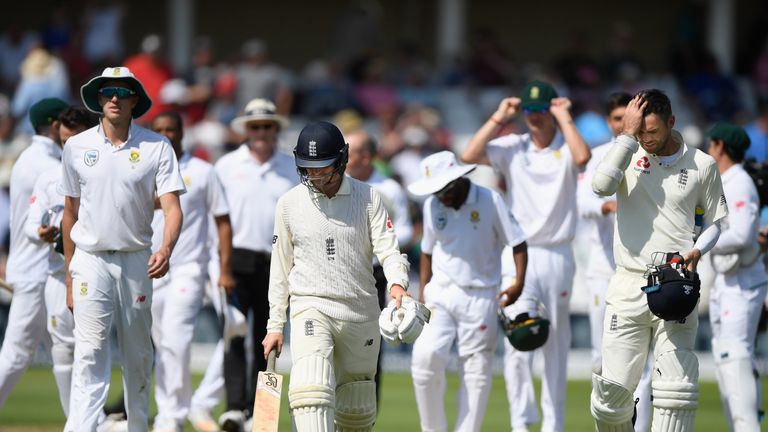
{"x": 440, "y": 221}
{"x": 135, "y": 156}
{"x": 389, "y": 224}
{"x": 557, "y": 154}
{"x": 187, "y": 180}
{"x": 682, "y": 178}
{"x": 474, "y": 216}
{"x": 91, "y": 157}
{"x": 84, "y": 288}
{"x": 330, "y": 248}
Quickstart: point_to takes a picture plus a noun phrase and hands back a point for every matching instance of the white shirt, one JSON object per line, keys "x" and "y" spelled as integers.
{"x": 601, "y": 263}
{"x": 252, "y": 190}
{"x": 657, "y": 205}
{"x": 204, "y": 198}
{"x": 47, "y": 195}
{"x": 740, "y": 228}
{"x": 466, "y": 244}
{"x": 28, "y": 256}
{"x": 541, "y": 186}
{"x": 322, "y": 253}
{"x": 117, "y": 186}
{"x": 395, "y": 201}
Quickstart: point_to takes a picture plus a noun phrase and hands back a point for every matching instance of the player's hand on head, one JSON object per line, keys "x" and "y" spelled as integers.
{"x": 158, "y": 264}
{"x": 692, "y": 259}
{"x": 633, "y": 116}
{"x": 397, "y": 293}
{"x": 560, "y": 107}
{"x": 272, "y": 341}
{"x": 511, "y": 294}
{"x": 508, "y": 107}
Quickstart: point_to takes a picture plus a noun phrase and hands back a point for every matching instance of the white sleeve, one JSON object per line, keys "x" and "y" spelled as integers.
{"x": 428, "y": 231}
{"x": 590, "y": 204}
{"x": 610, "y": 171}
{"x": 385, "y": 245}
{"x": 38, "y": 204}
{"x": 741, "y": 232}
{"x": 708, "y": 238}
{"x": 168, "y": 177}
{"x": 402, "y": 216}
{"x": 217, "y": 201}
{"x": 279, "y": 270}
{"x": 70, "y": 180}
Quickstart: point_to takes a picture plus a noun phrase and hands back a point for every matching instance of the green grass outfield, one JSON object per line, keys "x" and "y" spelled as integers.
{"x": 34, "y": 405}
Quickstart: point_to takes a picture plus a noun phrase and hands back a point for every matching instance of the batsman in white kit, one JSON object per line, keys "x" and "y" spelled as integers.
{"x": 111, "y": 175}
{"x": 178, "y": 296}
{"x": 659, "y": 183}
{"x": 466, "y": 226}
{"x": 740, "y": 282}
{"x": 327, "y": 231}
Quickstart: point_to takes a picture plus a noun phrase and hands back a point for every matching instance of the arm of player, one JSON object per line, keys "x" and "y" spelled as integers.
{"x": 560, "y": 109}
{"x": 425, "y": 273}
{"x": 706, "y": 241}
{"x": 224, "y": 228}
{"x": 475, "y": 152}
{"x": 172, "y": 220}
{"x": 741, "y": 231}
{"x": 279, "y": 270}
{"x": 71, "y": 209}
{"x": 514, "y": 291}
{"x": 385, "y": 247}
{"x": 591, "y": 205}
{"x": 40, "y": 203}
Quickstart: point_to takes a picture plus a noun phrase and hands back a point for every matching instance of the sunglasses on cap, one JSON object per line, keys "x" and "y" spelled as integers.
{"x": 257, "y": 126}
{"x": 530, "y": 111}
{"x": 120, "y": 92}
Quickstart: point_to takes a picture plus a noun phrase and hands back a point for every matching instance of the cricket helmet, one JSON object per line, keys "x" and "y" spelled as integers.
{"x": 672, "y": 291}
{"x": 525, "y": 333}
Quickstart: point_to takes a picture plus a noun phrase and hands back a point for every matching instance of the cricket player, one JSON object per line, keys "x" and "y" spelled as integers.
{"x": 600, "y": 214}
{"x": 541, "y": 170}
{"x": 327, "y": 232}
{"x": 111, "y": 175}
{"x": 740, "y": 282}
{"x": 43, "y": 221}
{"x": 659, "y": 182}
{"x": 27, "y": 266}
{"x": 178, "y": 296}
{"x": 254, "y": 176}
{"x": 466, "y": 226}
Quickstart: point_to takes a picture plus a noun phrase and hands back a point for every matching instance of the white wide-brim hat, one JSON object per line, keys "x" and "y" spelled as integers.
{"x": 258, "y": 110}
{"x": 437, "y": 171}
{"x": 89, "y": 92}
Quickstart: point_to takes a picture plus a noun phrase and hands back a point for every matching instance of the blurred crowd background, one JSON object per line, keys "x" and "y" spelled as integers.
{"x": 420, "y": 76}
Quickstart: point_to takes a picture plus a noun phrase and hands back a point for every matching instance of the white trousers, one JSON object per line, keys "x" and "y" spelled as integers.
{"x": 24, "y": 333}
{"x": 548, "y": 283}
{"x": 176, "y": 303}
{"x": 468, "y": 317}
{"x": 210, "y": 391}
{"x": 110, "y": 287}
{"x": 735, "y": 305}
{"x": 598, "y": 287}
{"x": 61, "y": 327}
{"x": 630, "y": 330}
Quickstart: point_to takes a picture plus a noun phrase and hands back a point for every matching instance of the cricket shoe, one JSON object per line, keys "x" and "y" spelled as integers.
{"x": 232, "y": 421}
{"x": 113, "y": 423}
{"x": 202, "y": 421}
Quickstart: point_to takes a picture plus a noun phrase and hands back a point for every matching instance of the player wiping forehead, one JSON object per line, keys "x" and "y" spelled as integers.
{"x": 659, "y": 182}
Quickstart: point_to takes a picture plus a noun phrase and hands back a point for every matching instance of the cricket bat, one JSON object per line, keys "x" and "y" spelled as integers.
{"x": 266, "y": 408}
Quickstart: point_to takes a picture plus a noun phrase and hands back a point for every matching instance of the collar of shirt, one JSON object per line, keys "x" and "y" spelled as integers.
{"x": 50, "y": 146}
{"x": 555, "y": 145}
{"x": 244, "y": 155}
{"x": 184, "y": 159}
{"x": 132, "y": 132}
{"x": 344, "y": 189}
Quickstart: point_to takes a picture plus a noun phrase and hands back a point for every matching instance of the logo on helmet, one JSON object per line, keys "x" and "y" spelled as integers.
{"x": 313, "y": 149}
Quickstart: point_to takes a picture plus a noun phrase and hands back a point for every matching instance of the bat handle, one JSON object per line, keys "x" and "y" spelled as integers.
{"x": 271, "y": 360}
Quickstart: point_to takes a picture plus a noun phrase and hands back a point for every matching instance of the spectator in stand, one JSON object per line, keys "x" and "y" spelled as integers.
{"x": 258, "y": 78}
{"x": 14, "y": 47}
{"x": 42, "y": 76}
{"x": 150, "y": 67}
{"x": 103, "y": 23}
{"x": 758, "y": 132}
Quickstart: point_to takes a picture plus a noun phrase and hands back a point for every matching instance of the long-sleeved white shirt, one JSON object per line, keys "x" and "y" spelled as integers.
{"x": 601, "y": 263}
{"x": 322, "y": 251}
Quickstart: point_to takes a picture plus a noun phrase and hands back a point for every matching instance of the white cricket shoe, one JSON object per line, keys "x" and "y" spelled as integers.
{"x": 166, "y": 425}
{"x": 232, "y": 421}
{"x": 113, "y": 423}
{"x": 202, "y": 421}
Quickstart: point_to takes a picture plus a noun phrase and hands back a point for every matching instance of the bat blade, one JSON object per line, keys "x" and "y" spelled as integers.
{"x": 266, "y": 408}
